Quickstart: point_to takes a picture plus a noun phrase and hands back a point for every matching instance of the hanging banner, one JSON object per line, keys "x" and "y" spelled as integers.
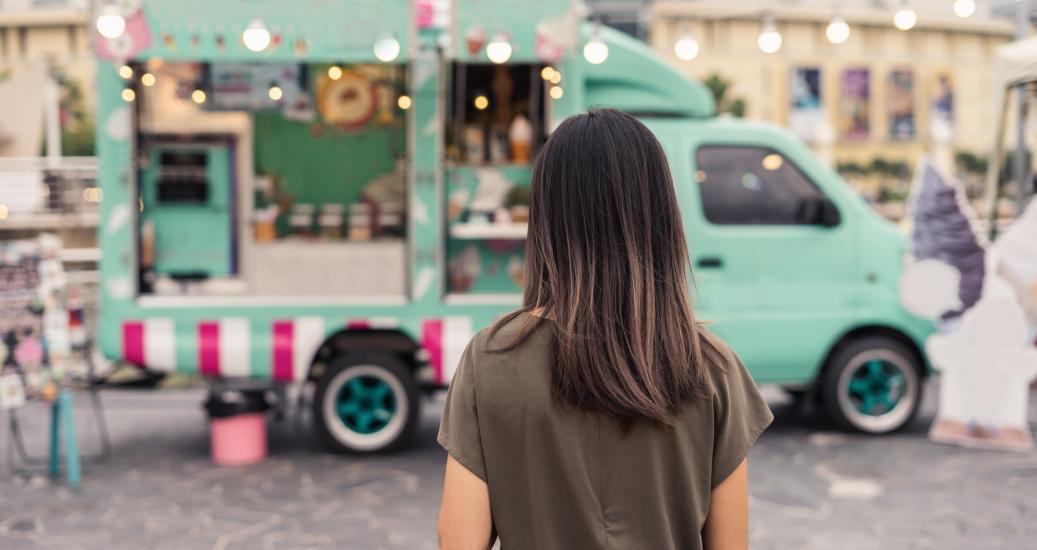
{"x": 806, "y": 114}
{"x": 901, "y": 104}
{"x": 254, "y": 86}
{"x": 854, "y": 103}
{"x": 536, "y": 31}
{"x": 941, "y": 108}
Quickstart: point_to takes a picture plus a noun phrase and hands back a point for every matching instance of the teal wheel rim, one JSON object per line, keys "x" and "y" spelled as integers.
{"x": 877, "y": 387}
{"x": 366, "y": 404}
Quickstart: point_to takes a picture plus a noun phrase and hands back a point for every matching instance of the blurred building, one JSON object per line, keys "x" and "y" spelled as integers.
{"x": 842, "y": 75}
{"x": 41, "y": 40}
{"x": 47, "y": 169}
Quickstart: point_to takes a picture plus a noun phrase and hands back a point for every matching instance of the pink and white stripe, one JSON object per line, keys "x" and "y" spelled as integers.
{"x": 294, "y": 343}
{"x": 150, "y": 343}
{"x": 445, "y": 340}
{"x": 224, "y": 347}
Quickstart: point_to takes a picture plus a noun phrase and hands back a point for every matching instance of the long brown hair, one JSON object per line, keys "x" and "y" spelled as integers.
{"x": 607, "y": 263}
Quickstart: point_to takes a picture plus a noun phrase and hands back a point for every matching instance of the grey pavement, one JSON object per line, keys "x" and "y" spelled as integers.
{"x": 811, "y": 487}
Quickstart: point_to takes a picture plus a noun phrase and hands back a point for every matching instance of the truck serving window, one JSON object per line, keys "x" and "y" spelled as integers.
{"x": 271, "y": 178}
{"x": 742, "y": 185}
{"x": 496, "y": 113}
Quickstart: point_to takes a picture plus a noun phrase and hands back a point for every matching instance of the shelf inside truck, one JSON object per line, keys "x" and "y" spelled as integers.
{"x": 501, "y": 231}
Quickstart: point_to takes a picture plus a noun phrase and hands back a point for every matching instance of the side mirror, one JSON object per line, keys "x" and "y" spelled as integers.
{"x": 818, "y": 211}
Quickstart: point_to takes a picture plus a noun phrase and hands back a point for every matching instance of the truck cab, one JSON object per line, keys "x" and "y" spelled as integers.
{"x": 796, "y": 271}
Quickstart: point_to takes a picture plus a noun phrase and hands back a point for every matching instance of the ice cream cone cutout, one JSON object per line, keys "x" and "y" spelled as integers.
{"x": 986, "y": 368}
{"x": 985, "y": 363}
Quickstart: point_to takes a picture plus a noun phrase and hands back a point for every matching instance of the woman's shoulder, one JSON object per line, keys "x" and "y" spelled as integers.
{"x": 509, "y": 358}
{"x": 722, "y": 367}
{"x": 509, "y": 332}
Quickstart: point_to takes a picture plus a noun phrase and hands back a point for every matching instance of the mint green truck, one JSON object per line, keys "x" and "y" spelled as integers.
{"x": 336, "y": 194}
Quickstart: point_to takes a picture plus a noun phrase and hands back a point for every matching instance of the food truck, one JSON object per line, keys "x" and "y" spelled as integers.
{"x": 336, "y": 194}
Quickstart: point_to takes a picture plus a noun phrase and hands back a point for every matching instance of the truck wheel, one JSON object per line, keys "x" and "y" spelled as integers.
{"x": 366, "y": 403}
{"x": 872, "y": 385}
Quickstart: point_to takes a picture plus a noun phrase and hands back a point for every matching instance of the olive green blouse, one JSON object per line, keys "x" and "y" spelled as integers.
{"x": 569, "y": 479}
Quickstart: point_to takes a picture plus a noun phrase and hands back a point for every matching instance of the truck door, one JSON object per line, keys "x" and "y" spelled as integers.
{"x": 773, "y": 259}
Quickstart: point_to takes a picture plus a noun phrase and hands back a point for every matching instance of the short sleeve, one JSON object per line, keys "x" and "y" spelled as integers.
{"x": 459, "y": 427}
{"x": 740, "y": 415}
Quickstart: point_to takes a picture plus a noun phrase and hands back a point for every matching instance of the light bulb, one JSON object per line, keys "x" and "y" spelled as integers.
{"x": 128, "y": 95}
{"x": 905, "y": 18}
{"x": 595, "y": 51}
{"x": 256, "y": 37}
{"x": 110, "y": 22}
{"x": 547, "y": 72}
{"x": 964, "y": 8}
{"x": 92, "y": 194}
{"x": 556, "y": 92}
{"x": 686, "y": 47}
{"x": 404, "y": 102}
{"x": 481, "y": 102}
{"x": 147, "y": 79}
{"x": 334, "y": 72}
{"x": 387, "y": 48}
{"x": 126, "y": 72}
{"x": 275, "y": 92}
{"x": 769, "y": 40}
{"x": 499, "y": 49}
{"x": 837, "y": 31}
{"x": 198, "y": 96}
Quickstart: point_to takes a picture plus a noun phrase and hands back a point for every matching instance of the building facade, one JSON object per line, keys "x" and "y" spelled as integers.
{"x": 882, "y": 96}
{"x": 45, "y": 41}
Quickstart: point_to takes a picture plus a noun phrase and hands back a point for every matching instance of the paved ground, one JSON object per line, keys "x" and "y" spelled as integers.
{"x": 811, "y": 488}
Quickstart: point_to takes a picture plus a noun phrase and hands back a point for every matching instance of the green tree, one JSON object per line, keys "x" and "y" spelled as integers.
{"x": 719, "y": 86}
{"x": 77, "y": 122}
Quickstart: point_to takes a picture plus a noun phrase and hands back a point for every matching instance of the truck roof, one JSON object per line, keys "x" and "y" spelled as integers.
{"x": 722, "y": 125}
{"x": 635, "y": 79}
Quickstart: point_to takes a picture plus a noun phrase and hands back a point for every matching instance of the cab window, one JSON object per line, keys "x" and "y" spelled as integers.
{"x": 742, "y": 185}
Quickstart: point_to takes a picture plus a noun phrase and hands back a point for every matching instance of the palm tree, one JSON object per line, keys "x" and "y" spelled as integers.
{"x": 719, "y": 86}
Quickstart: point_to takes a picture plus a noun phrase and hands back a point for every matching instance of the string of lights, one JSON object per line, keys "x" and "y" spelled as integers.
{"x": 257, "y": 38}
{"x": 687, "y": 48}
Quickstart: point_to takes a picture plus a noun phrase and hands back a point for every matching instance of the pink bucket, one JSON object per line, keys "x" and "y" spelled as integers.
{"x": 238, "y": 440}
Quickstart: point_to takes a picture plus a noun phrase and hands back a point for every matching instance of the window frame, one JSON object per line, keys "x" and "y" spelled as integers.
{"x": 768, "y": 149}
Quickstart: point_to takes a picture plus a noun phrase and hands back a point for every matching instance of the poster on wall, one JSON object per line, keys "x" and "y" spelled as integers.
{"x": 901, "y": 104}
{"x": 941, "y": 108}
{"x": 252, "y": 86}
{"x": 806, "y": 113}
{"x": 854, "y": 111}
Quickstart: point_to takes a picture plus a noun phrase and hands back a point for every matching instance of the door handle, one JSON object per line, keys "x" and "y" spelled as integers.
{"x": 710, "y": 262}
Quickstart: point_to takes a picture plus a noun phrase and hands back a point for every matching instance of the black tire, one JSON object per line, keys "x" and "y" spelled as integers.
{"x": 345, "y": 431}
{"x": 852, "y": 383}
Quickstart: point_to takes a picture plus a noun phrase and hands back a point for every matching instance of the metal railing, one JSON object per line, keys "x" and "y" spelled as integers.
{"x": 56, "y": 195}
{"x": 39, "y": 193}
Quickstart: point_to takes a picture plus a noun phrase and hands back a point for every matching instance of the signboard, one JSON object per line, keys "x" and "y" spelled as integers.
{"x": 12, "y": 393}
{"x": 254, "y": 86}
{"x": 941, "y": 108}
{"x": 854, "y": 104}
{"x": 901, "y": 104}
{"x": 34, "y": 336}
{"x": 806, "y": 112}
